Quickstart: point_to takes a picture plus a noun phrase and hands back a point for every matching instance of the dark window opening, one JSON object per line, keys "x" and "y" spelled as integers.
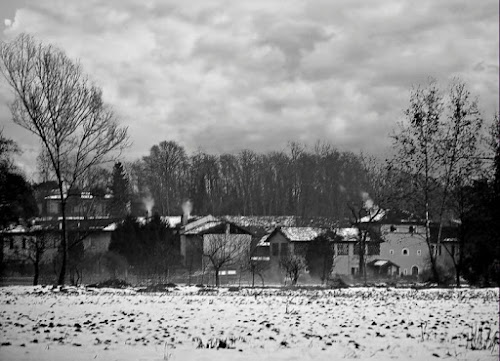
{"x": 373, "y": 249}
{"x": 284, "y": 250}
{"x": 411, "y": 229}
{"x": 275, "y": 250}
{"x": 393, "y": 228}
{"x": 343, "y": 249}
{"x": 357, "y": 249}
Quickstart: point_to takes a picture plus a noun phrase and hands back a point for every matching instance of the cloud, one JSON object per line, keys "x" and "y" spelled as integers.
{"x": 223, "y": 75}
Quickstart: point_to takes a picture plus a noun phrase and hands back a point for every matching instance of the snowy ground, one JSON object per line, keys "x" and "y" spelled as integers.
{"x": 361, "y": 323}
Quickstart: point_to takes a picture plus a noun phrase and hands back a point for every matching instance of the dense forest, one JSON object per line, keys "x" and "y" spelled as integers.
{"x": 298, "y": 181}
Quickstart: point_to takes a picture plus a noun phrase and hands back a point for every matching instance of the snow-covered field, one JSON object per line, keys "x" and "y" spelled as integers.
{"x": 37, "y": 323}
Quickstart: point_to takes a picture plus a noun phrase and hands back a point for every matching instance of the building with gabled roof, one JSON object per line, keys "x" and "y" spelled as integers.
{"x": 197, "y": 235}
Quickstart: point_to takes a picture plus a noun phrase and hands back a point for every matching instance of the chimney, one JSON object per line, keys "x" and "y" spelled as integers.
{"x": 187, "y": 207}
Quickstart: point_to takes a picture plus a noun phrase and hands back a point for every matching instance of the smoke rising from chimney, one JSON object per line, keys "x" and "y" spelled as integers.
{"x": 187, "y": 208}
{"x": 149, "y": 203}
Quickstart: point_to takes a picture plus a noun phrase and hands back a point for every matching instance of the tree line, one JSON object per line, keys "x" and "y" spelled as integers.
{"x": 297, "y": 181}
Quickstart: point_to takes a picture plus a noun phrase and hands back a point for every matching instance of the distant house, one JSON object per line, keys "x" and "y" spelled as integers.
{"x": 197, "y": 235}
{"x": 405, "y": 245}
{"x": 95, "y": 235}
{"x": 348, "y": 249}
{"x": 282, "y": 240}
{"x": 87, "y": 219}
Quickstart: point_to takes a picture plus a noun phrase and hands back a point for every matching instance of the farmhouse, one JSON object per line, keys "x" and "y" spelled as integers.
{"x": 200, "y": 236}
{"x": 276, "y": 245}
{"x": 398, "y": 250}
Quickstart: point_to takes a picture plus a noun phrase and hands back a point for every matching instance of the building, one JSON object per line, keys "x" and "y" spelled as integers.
{"x": 405, "y": 245}
{"x": 400, "y": 249}
{"x": 205, "y": 235}
{"x": 87, "y": 222}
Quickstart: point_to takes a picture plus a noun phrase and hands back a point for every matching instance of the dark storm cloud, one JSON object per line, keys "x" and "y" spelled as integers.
{"x": 225, "y": 75}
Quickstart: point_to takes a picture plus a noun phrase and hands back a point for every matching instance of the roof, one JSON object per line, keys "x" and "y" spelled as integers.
{"x": 263, "y": 241}
{"x": 307, "y": 234}
{"x": 262, "y": 221}
{"x": 348, "y": 234}
{"x": 375, "y": 216}
{"x": 72, "y": 223}
{"x": 382, "y": 263}
{"x": 301, "y": 234}
{"x": 203, "y": 228}
{"x": 198, "y": 222}
{"x": 209, "y": 224}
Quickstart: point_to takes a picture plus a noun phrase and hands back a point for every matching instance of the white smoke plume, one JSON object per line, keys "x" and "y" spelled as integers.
{"x": 187, "y": 208}
{"x": 149, "y": 203}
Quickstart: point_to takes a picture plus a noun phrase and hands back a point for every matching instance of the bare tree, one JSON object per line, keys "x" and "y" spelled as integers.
{"x": 224, "y": 250}
{"x": 7, "y": 148}
{"x": 459, "y": 145}
{"x": 255, "y": 265}
{"x": 439, "y": 150}
{"x": 165, "y": 165}
{"x": 38, "y": 243}
{"x": 293, "y": 264}
{"x": 370, "y": 208}
{"x": 55, "y": 101}
{"x": 418, "y": 154}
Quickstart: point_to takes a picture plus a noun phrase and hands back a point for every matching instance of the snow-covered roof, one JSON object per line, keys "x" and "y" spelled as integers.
{"x": 262, "y": 221}
{"x": 374, "y": 216}
{"x": 16, "y": 229}
{"x": 199, "y": 222}
{"x": 263, "y": 241}
{"x": 173, "y": 221}
{"x": 382, "y": 263}
{"x": 302, "y": 234}
{"x": 53, "y": 196}
{"x": 203, "y": 227}
{"x": 110, "y": 227}
{"x": 347, "y": 233}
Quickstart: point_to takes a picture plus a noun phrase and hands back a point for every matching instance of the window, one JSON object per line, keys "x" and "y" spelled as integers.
{"x": 342, "y": 249}
{"x": 411, "y": 229}
{"x": 354, "y": 271}
{"x": 393, "y": 228}
{"x": 284, "y": 249}
{"x": 275, "y": 250}
{"x": 419, "y": 252}
{"x": 300, "y": 248}
{"x": 405, "y": 252}
{"x": 357, "y": 249}
{"x": 373, "y": 249}
{"x": 405, "y": 272}
{"x": 414, "y": 271}
{"x": 391, "y": 251}
{"x": 53, "y": 207}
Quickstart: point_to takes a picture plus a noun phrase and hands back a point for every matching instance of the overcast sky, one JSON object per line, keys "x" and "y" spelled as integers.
{"x": 227, "y": 75}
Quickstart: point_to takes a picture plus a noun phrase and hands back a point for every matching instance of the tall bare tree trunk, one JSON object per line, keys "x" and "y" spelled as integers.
{"x": 64, "y": 240}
